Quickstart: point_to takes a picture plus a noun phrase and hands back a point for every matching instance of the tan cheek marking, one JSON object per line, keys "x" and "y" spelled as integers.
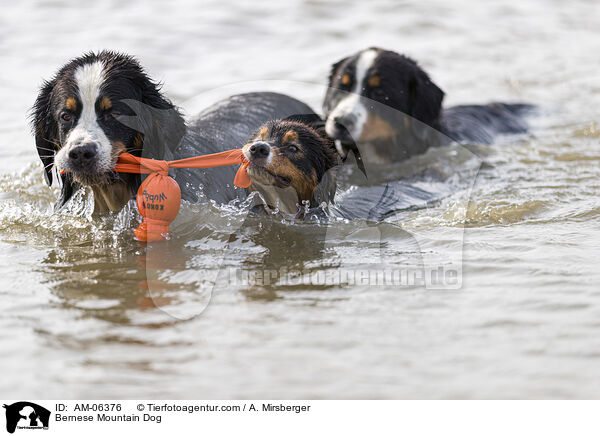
{"x": 377, "y": 128}
{"x": 290, "y": 136}
{"x": 105, "y": 103}
{"x": 263, "y": 133}
{"x": 138, "y": 141}
{"x": 117, "y": 148}
{"x": 345, "y": 80}
{"x": 303, "y": 185}
{"x": 374, "y": 81}
{"x": 111, "y": 197}
{"x": 71, "y": 104}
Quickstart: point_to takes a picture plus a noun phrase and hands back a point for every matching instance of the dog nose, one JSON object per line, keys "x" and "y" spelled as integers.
{"x": 83, "y": 154}
{"x": 343, "y": 122}
{"x": 338, "y": 126}
{"x": 260, "y": 150}
{"x": 342, "y": 126}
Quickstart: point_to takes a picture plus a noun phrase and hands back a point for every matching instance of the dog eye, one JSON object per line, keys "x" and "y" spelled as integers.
{"x": 293, "y": 148}
{"x": 111, "y": 115}
{"x": 345, "y": 81}
{"x": 66, "y": 117}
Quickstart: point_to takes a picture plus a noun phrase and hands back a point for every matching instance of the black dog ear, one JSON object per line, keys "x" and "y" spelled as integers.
{"x": 425, "y": 98}
{"x": 163, "y": 128}
{"x": 167, "y": 124}
{"x": 46, "y": 140}
{"x": 325, "y": 190}
{"x": 334, "y": 158}
{"x": 67, "y": 189}
{"x": 330, "y": 89}
{"x": 45, "y": 129}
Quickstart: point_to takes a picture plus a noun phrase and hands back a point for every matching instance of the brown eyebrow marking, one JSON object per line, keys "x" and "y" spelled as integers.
{"x": 105, "y": 104}
{"x": 374, "y": 81}
{"x": 345, "y": 79}
{"x": 290, "y": 136}
{"x": 71, "y": 104}
{"x": 263, "y": 133}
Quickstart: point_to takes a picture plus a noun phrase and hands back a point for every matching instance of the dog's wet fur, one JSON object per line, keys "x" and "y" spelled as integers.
{"x": 78, "y": 125}
{"x": 388, "y": 105}
{"x": 291, "y": 163}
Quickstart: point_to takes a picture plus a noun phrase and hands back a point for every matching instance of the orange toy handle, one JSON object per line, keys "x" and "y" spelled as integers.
{"x": 159, "y": 196}
{"x": 129, "y": 163}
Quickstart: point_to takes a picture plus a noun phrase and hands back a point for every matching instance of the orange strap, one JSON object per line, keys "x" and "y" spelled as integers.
{"x": 129, "y": 163}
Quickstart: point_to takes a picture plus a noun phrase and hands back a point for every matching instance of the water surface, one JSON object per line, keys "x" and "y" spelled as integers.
{"x": 79, "y": 297}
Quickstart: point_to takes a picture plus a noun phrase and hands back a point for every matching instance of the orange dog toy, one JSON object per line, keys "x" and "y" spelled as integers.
{"x": 159, "y": 197}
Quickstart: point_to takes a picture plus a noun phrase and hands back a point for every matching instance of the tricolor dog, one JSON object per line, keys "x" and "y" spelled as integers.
{"x": 392, "y": 109}
{"x": 292, "y": 164}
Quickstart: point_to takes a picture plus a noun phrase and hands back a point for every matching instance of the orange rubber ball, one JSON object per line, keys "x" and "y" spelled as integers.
{"x": 158, "y": 200}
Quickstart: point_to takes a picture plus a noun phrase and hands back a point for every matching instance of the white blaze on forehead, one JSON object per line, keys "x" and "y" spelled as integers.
{"x": 364, "y": 62}
{"x": 89, "y": 79}
{"x": 351, "y": 106}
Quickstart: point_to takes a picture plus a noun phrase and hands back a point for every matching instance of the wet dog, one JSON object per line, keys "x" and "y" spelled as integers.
{"x": 102, "y": 104}
{"x": 388, "y": 104}
{"x": 292, "y": 164}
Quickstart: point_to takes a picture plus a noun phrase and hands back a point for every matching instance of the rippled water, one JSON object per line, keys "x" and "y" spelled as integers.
{"x": 79, "y": 297}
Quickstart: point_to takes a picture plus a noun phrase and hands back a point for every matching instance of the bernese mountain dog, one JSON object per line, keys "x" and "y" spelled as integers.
{"x": 387, "y": 104}
{"x": 292, "y": 164}
{"x": 102, "y": 104}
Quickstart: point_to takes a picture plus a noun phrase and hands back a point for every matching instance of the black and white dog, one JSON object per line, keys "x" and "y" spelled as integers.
{"x": 387, "y": 104}
{"x": 102, "y": 104}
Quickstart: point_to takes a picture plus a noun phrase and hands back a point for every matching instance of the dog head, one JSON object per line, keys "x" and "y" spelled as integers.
{"x": 372, "y": 91}
{"x": 289, "y": 162}
{"x": 82, "y": 121}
